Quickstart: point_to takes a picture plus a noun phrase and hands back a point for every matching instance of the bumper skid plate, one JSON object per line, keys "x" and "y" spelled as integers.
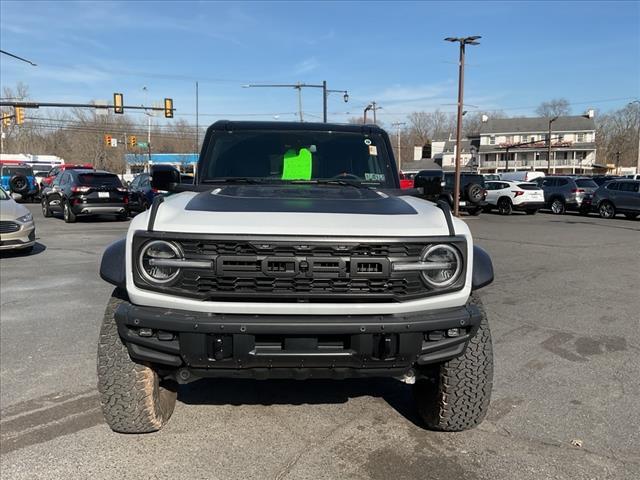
{"x": 193, "y": 344}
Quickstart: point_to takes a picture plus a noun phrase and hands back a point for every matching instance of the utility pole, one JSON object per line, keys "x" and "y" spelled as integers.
{"x": 197, "y": 117}
{"x": 399, "y": 124}
{"x": 299, "y": 86}
{"x": 300, "y": 102}
{"x": 463, "y": 42}
{"x": 637, "y": 102}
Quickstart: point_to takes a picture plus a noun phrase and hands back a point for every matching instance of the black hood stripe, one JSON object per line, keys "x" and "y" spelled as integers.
{"x": 367, "y": 203}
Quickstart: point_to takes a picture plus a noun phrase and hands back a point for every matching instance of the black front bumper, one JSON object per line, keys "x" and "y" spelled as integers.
{"x": 187, "y": 344}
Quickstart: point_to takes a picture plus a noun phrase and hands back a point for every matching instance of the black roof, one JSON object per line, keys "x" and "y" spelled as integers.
{"x": 310, "y": 126}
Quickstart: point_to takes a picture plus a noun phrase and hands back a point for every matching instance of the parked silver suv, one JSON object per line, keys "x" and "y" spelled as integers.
{"x": 567, "y": 193}
{"x": 618, "y": 196}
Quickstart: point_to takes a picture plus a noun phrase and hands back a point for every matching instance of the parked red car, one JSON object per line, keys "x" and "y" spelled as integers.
{"x": 406, "y": 181}
{"x": 48, "y": 180}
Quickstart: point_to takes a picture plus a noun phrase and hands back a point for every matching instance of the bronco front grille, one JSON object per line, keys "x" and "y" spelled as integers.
{"x": 263, "y": 269}
{"x": 9, "y": 227}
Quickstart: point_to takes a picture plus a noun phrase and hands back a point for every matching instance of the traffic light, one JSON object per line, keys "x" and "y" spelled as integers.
{"x": 6, "y": 120}
{"x": 107, "y": 140}
{"x": 118, "y": 103}
{"x": 133, "y": 141}
{"x": 19, "y": 115}
{"x": 168, "y": 108}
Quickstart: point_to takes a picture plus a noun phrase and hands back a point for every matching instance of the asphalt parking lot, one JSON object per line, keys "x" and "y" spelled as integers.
{"x": 564, "y": 312}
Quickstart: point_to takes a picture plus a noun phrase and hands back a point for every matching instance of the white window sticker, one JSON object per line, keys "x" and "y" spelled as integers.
{"x": 367, "y": 141}
{"x": 374, "y": 177}
{"x": 373, "y": 150}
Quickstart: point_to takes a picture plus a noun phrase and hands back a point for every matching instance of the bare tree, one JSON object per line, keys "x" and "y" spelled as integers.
{"x": 617, "y": 136}
{"x": 472, "y": 122}
{"x": 557, "y": 107}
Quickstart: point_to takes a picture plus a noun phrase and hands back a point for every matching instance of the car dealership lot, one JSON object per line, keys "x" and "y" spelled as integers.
{"x": 564, "y": 316}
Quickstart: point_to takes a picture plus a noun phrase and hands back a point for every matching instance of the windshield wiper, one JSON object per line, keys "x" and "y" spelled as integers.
{"x": 332, "y": 182}
{"x": 248, "y": 180}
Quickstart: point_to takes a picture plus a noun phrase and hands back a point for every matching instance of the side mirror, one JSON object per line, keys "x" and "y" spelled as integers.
{"x": 165, "y": 177}
{"x": 431, "y": 181}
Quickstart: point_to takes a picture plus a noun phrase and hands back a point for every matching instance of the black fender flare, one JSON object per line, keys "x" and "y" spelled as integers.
{"x": 113, "y": 265}
{"x": 482, "y": 274}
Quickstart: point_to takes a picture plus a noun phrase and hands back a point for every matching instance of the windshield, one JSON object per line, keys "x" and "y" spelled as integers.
{"x": 586, "y": 183}
{"x": 97, "y": 179}
{"x": 292, "y": 156}
{"x": 10, "y": 171}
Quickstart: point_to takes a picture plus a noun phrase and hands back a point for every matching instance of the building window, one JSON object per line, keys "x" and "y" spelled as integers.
{"x": 580, "y": 137}
{"x": 508, "y": 139}
{"x": 560, "y": 137}
{"x": 492, "y": 140}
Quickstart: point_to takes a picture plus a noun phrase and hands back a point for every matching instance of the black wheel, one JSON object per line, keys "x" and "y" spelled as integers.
{"x": 532, "y": 211}
{"x": 123, "y": 216}
{"x": 133, "y": 397}
{"x": 557, "y": 206}
{"x": 67, "y": 213}
{"x": 475, "y": 211}
{"x": 455, "y": 395}
{"x": 46, "y": 211}
{"x": 19, "y": 184}
{"x": 631, "y": 216}
{"x": 607, "y": 210}
{"x": 504, "y": 206}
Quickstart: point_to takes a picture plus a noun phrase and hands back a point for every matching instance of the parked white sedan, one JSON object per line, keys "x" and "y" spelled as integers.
{"x": 510, "y": 196}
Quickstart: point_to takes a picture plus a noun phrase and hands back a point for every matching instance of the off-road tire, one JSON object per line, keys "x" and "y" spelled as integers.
{"x": 132, "y": 395}
{"x": 67, "y": 213}
{"x": 455, "y": 395}
{"x": 473, "y": 193}
{"x": 46, "y": 211}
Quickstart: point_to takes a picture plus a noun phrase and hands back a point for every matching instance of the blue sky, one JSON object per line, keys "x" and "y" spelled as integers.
{"x": 390, "y": 52}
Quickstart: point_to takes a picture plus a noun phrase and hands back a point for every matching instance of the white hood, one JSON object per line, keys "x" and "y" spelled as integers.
{"x": 426, "y": 219}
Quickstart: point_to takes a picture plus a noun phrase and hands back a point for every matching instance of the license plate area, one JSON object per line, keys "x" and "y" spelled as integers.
{"x": 103, "y": 194}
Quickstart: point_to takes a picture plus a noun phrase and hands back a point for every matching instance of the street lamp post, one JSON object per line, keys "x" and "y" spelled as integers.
{"x": 549, "y": 145}
{"x": 299, "y": 86}
{"x": 399, "y": 124}
{"x": 638, "y": 130}
{"x": 463, "y": 41}
{"x": 366, "y": 109}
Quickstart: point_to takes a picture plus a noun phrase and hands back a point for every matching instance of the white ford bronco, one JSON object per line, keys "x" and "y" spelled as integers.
{"x": 295, "y": 255}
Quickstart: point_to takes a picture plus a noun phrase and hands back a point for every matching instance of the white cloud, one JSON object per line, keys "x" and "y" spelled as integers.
{"x": 306, "y": 66}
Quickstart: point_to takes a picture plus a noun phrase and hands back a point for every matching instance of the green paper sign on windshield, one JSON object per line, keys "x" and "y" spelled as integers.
{"x": 297, "y": 166}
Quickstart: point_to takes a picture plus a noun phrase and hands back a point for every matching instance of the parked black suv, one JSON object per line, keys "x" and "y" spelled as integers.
{"x": 85, "y": 192}
{"x": 619, "y": 196}
{"x": 473, "y": 193}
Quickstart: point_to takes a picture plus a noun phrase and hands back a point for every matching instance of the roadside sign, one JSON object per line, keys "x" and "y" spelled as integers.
{"x": 143, "y": 144}
{"x": 114, "y": 142}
